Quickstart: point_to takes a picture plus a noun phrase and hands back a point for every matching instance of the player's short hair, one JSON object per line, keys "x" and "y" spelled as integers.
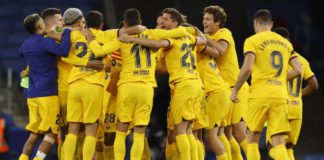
{"x": 218, "y": 13}
{"x": 283, "y": 32}
{"x": 50, "y": 12}
{"x": 263, "y": 16}
{"x": 132, "y": 17}
{"x": 72, "y": 15}
{"x": 175, "y": 15}
{"x": 30, "y": 22}
{"x": 94, "y": 19}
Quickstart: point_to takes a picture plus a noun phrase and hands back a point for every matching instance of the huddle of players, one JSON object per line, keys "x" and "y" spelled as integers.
{"x": 201, "y": 68}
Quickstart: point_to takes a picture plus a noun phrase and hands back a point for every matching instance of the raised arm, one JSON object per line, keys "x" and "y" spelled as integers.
{"x": 220, "y": 45}
{"x": 62, "y": 49}
{"x": 145, "y": 42}
{"x": 132, "y": 30}
{"x": 211, "y": 51}
{"x": 200, "y": 37}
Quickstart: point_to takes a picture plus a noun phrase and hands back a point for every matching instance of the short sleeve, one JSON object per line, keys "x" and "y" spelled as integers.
{"x": 308, "y": 73}
{"x": 249, "y": 47}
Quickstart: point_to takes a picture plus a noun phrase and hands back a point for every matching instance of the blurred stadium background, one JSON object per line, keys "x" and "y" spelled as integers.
{"x": 303, "y": 18}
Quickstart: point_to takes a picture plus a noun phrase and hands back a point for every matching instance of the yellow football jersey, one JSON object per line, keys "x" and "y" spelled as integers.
{"x": 272, "y": 55}
{"x": 116, "y": 64}
{"x": 180, "y": 59}
{"x": 227, "y": 63}
{"x": 295, "y": 86}
{"x": 139, "y": 62}
{"x": 104, "y": 36}
{"x": 210, "y": 74}
{"x": 64, "y": 67}
{"x": 79, "y": 47}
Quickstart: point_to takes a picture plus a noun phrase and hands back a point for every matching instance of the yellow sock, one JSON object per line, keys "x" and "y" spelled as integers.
{"x": 109, "y": 152}
{"x": 146, "y": 152}
{"x": 281, "y": 152}
{"x": 37, "y": 158}
{"x": 119, "y": 145}
{"x": 243, "y": 145}
{"x": 226, "y": 145}
{"x": 78, "y": 154}
{"x": 23, "y": 157}
{"x": 89, "y": 147}
{"x": 168, "y": 152}
{"x": 193, "y": 147}
{"x": 222, "y": 157}
{"x": 171, "y": 152}
{"x": 291, "y": 154}
{"x": 138, "y": 146}
{"x": 183, "y": 146}
{"x": 59, "y": 150}
{"x": 99, "y": 155}
{"x": 235, "y": 149}
{"x": 201, "y": 150}
{"x": 272, "y": 153}
{"x": 253, "y": 151}
{"x": 69, "y": 146}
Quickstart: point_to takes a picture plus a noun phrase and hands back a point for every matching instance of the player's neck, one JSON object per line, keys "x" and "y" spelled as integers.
{"x": 263, "y": 29}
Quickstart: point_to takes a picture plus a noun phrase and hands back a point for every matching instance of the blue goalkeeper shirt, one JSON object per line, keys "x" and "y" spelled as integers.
{"x": 41, "y": 54}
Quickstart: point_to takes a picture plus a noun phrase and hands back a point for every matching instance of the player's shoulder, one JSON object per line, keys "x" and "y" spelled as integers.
{"x": 302, "y": 59}
{"x": 225, "y": 31}
{"x": 77, "y": 36}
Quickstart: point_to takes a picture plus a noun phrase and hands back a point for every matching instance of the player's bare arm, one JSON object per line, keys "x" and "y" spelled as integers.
{"x": 145, "y": 42}
{"x": 245, "y": 73}
{"x": 312, "y": 86}
{"x": 297, "y": 68}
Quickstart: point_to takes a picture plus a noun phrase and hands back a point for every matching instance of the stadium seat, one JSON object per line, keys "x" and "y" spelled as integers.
{"x": 5, "y": 25}
{"x": 11, "y": 52}
{"x": 313, "y": 157}
{"x": 17, "y": 38}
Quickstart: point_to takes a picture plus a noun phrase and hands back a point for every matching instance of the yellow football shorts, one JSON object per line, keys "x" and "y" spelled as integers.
{"x": 43, "y": 114}
{"x": 186, "y": 98}
{"x": 202, "y": 116}
{"x": 84, "y": 102}
{"x": 272, "y": 110}
{"x": 134, "y": 101}
{"x": 218, "y": 107}
{"x": 110, "y": 116}
{"x": 239, "y": 108}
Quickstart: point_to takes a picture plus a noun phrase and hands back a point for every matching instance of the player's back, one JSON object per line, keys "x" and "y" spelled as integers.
{"x": 79, "y": 47}
{"x": 139, "y": 62}
{"x": 180, "y": 59}
{"x": 272, "y": 53}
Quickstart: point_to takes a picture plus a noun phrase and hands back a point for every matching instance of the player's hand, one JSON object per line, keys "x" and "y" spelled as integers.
{"x": 96, "y": 64}
{"x": 23, "y": 74}
{"x": 52, "y": 33}
{"x": 88, "y": 34}
{"x": 234, "y": 97}
{"x": 108, "y": 67}
{"x": 141, "y": 28}
{"x": 125, "y": 37}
